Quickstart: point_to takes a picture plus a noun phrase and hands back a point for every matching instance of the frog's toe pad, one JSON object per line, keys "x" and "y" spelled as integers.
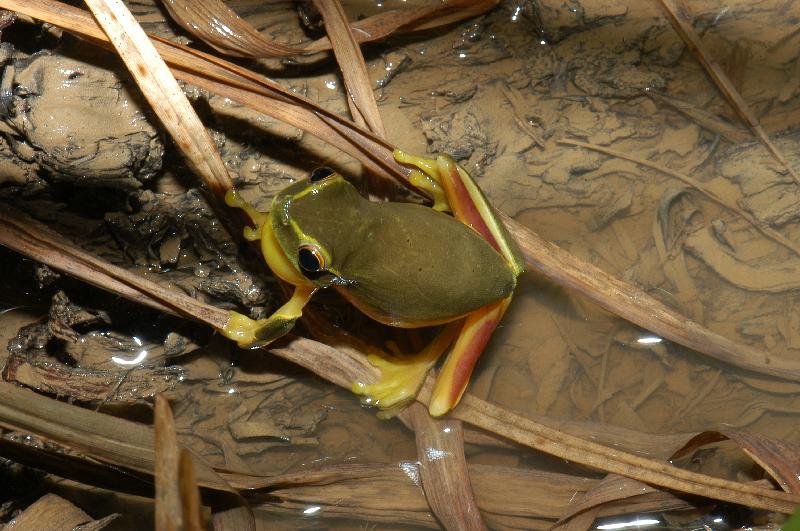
{"x": 400, "y": 381}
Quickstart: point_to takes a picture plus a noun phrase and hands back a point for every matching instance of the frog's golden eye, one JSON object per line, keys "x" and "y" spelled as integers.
{"x": 310, "y": 258}
{"x": 320, "y": 173}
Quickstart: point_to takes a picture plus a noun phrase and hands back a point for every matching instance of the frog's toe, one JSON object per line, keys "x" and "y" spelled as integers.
{"x": 400, "y": 381}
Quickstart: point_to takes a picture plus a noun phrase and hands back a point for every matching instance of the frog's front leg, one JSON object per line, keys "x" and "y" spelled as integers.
{"x": 249, "y": 333}
{"x": 235, "y": 200}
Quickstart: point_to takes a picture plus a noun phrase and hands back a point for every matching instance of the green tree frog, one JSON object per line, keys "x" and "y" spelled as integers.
{"x": 402, "y": 264}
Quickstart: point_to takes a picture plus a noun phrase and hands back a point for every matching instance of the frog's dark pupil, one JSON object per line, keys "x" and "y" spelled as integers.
{"x": 309, "y": 260}
{"x": 320, "y": 173}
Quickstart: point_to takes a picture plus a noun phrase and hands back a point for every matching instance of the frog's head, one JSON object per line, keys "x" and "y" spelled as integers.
{"x": 315, "y": 221}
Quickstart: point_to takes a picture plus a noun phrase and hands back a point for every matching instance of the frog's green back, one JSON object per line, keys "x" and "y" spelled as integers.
{"x": 433, "y": 270}
{"x": 402, "y": 264}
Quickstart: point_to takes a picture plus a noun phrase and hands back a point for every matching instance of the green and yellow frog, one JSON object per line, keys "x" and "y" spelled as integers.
{"x": 402, "y": 264}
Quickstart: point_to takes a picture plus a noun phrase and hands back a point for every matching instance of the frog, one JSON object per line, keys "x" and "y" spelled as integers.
{"x": 403, "y": 264}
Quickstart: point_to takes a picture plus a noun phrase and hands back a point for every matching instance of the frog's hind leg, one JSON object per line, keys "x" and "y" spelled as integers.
{"x": 250, "y": 333}
{"x": 466, "y": 201}
{"x": 455, "y": 374}
{"x": 402, "y": 377}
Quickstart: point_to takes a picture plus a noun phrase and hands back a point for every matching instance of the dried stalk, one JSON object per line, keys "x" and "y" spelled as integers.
{"x": 443, "y": 470}
{"x": 769, "y": 232}
{"x": 636, "y": 306}
{"x": 168, "y": 507}
{"x": 343, "y": 368}
{"x": 682, "y": 22}
{"x": 162, "y": 92}
{"x": 363, "y": 107}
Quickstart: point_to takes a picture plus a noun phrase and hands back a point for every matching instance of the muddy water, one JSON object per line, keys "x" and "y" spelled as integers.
{"x": 498, "y": 93}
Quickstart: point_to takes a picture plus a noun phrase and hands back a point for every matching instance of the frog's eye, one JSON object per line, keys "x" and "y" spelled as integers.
{"x": 310, "y": 258}
{"x": 320, "y": 173}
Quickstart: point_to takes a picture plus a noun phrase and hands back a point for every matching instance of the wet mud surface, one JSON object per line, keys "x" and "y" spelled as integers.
{"x": 498, "y": 93}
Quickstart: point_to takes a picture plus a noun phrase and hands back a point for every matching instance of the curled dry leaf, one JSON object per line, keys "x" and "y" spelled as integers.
{"x": 214, "y": 23}
{"x": 220, "y": 27}
{"x": 779, "y": 459}
{"x": 443, "y": 470}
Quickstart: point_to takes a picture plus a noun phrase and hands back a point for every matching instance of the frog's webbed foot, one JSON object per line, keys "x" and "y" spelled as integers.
{"x": 250, "y": 333}
{"x": 402, "y": 377}
{"x": 425, "y": 177}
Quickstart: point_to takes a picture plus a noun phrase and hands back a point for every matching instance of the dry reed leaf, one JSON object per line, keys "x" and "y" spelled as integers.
{"x": 360, "y": 98}
{"x": 54, "y": 513}
{"x": 443, "y": 470}
{"x": 162, "y": 92}
{"x": 353, "y": 490}
{"x": 344, "y": 369}
{"x": 779, "y": 459}
{"x": 104, "y": 437}
{"x": 191, "y": 507}
{"x": 34, "y": 239}
{"x": 220, "y": 27}
{"x": 589, "y": 453}
{"x": 217, "y": 25}
{"x": 168, "y": 506}
{"x": 611, "y": 494}
{"x": 682, "y": 22}
{"x": 635, "y": 305}
{"x": 77, "y": 467}
{"x": 767, "y": 231}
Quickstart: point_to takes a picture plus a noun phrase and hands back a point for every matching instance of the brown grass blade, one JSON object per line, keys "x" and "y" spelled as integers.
{"x": 612, "y": 490}
{"x": 566, "y": 446}
{"x": 220, "y": 27}
{"x": 344, "y": 367}
{"x": 29, "y": 237}
{"x": 363, "y": 106}
{"x": 168, "y": 506}
{"x": 443, "y": 469}
{"x": 217, "y": 25}
{"x": 191, "y": 507}
{"x": 54, "y": 513}
{"x": 769, "y": 232}
{"x": 779, "y": 459}
{"x": 391, "y": 493}
{"x": 636, "y": 306}
{"x": 682, "y": 22}
{"x": 162, "y": 92}
{"x": 104, "y": 437}
{"x": 420, "y": 18}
